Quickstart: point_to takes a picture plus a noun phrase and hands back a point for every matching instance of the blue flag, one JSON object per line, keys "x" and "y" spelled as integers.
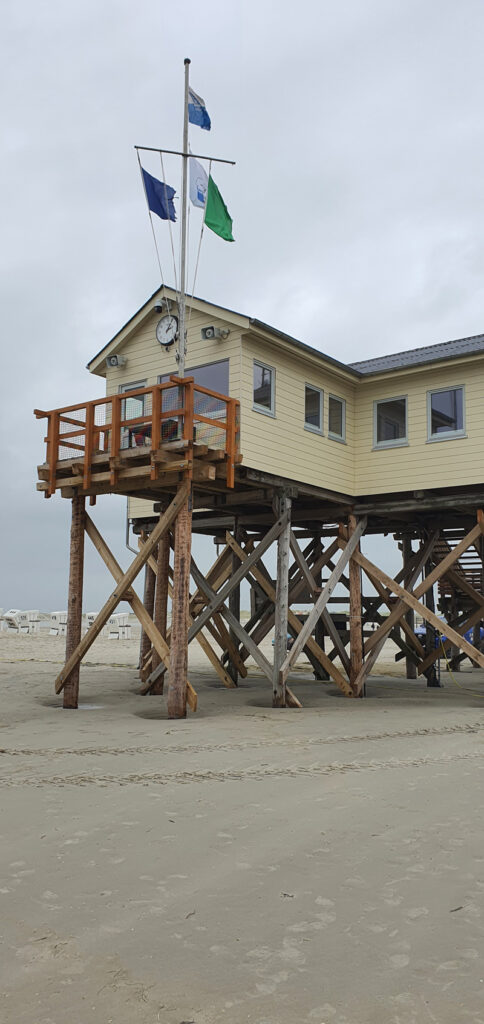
{"x": 197, "y": 111}
{"x": 159, "y": 196}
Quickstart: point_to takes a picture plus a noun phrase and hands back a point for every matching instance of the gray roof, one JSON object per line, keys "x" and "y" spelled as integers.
{"x": 428, "y": 354}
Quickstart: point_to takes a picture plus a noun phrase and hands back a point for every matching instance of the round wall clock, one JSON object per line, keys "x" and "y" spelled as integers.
{"x": 166, "y": 329}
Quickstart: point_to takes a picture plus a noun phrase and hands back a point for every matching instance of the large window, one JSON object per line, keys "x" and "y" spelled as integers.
{"x": 445, "y": 412}
{"x": 390, "y": 422}
{"x": 264, "y": 378}
{"x": 336, "y": 418}
{"x": 211, "y": 375}
{"x": 313, "y": 408}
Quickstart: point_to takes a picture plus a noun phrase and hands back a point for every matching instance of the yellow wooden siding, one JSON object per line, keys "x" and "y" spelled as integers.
{"x": 281, "y": 444}
{"x": 420, "y": 465}
{"x": 146, "y": 360}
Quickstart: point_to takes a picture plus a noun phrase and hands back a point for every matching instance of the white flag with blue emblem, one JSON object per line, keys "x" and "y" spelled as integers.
{"x": 197, "y": 111}
{"x": 198, "y": 183}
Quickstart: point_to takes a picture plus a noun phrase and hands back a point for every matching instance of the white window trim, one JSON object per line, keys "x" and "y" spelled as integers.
{"x": 310, "y": 426}
{"x": 263, "y": 408}
{"x": 445, "y": 435}
{"x": 338, "y": 437}
{"x": 399, "y": 442}
{"x": 132, "y": 386}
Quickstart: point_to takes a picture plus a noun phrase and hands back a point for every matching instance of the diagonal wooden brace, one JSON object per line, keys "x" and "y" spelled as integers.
{"x": 122, "y": 587}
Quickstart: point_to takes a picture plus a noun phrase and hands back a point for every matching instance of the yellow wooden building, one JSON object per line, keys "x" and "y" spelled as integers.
{"x": 408, "y": 422}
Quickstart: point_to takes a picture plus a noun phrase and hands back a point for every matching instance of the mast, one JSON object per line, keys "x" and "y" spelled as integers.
{"x": 182, "y": 305}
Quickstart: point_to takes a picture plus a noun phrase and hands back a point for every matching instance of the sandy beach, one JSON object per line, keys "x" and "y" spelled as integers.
{"x": 322, "y": 866}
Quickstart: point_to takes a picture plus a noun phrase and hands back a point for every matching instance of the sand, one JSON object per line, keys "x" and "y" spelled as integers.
{"x": 244, "y": 865}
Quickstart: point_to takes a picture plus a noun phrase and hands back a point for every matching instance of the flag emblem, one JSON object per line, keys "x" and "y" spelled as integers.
{"x": 197, "y": 111}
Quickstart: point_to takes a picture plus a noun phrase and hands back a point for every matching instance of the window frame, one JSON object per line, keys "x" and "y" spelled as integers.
{"x": 398, "y": 442}
{"x": 338, "y": 437}
{"x": 263, "y": 408}
{"x": 445, "y": 435}
{"x": 310, "y": 426}
{"x": 200, "y": 366}
{"x": 124, "y": 389}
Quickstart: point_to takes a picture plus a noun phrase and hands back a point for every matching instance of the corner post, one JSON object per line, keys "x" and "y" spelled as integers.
{"x": 410, "y": 666}
{"x": 74, "y": 600}
{"x": 283, "y": 506}
{"x": 161, "y": 601}
{"x": 177, "y": 688}
{"x": 356, "y": 631}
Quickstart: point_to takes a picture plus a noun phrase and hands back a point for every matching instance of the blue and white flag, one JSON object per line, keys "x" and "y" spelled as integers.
{"x": 159, "y": 196}
{"x": 197, "y": 111}
{"x": 198, "y": 183}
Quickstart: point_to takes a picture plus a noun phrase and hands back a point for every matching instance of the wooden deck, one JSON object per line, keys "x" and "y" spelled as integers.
{"x": 179, "y": 431}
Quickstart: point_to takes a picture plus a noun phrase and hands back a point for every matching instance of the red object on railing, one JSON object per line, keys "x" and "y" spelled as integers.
{"x": 176, "y": 410}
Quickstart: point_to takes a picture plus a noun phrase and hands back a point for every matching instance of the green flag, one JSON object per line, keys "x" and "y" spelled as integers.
{"x": 217, "y": 216}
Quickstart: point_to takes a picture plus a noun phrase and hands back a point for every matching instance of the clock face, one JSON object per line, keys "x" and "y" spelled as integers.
{"x": 166, "y": 329}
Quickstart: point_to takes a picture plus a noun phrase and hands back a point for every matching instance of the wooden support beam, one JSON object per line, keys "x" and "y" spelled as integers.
{"x": 426, "y": 613}
{"x": 356, "y": 633}
{"x": 348, "y": 548}
{"x": 296, "y": 625}
{"x": 282, "y": 600}
{"x": 161, "y": 601}
{"x": 123, "y": 586}
{"x": 149, "y": 604}
{"x": 410, "y": 666}
{"x": 177, "y": 689}
{"x": 74, "y": 599}
{"x": 234, "y": 605}
{"x": 218, "y": 599}
{"x": 430, "y": 673}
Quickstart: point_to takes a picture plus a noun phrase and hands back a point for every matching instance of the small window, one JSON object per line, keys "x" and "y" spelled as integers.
{"x": 445, "y": 413}
{"x": 313, "y": 408}
{"x": 336, "y": 418}
{"x": 133, "y": 407}
{"x": 390, "y": 425}
{"x": 264, "y": 388}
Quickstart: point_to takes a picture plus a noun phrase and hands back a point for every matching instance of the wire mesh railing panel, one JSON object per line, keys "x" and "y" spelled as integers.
{"x": 210, "y": 407}
{"x": 102, "y": 432}
{"x": 71, "y": 434}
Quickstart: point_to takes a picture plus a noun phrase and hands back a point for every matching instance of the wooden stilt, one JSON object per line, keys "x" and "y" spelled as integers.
{"x": 319, "y": 630}
{"x": 74, "y": 601}
{"x": 282, "y": 602}
{"x": 430, "y": 634}
{"x": 177, "y": 688}
{"x": 234, "y": 605}
{"x": 149, "y": 602}
{"x": 410, "y": 666}
{"x": 161, "y": 602}
{"x": 356, "y": 632}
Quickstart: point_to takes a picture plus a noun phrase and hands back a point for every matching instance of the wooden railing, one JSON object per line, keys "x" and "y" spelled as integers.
{"x": 178, "y": 410}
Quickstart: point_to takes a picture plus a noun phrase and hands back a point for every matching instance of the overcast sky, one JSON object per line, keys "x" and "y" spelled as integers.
{"x": 357, "y": 199}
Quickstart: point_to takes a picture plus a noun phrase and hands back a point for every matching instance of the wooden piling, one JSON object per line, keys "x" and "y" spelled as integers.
{"x": 282, "y": 602}
{"x": 177, "y": 687}
{"x": 356, "y": 631}
{"x": 74, "y": 600}
{"x": 161, "y": 602}
{"x": 234, "y": 606}
{"x": 319, "y": 631}
{"x": 410, "y": 666}
{"x": 148, "y": 601}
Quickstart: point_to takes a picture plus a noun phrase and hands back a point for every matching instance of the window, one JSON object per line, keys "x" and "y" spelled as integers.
{"x": 336, "y": 418}
{"x": 445, "y": 413}
{"x": 313, "y": 409}
{"x": 264, "y": 388}
{"x": 390, "y": 423}
{"x": 211, "y": 375}
{"x": 132, "y": 407}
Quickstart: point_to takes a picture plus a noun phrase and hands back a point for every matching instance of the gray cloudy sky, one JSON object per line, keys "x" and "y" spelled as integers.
{"x": 357, "y": 198}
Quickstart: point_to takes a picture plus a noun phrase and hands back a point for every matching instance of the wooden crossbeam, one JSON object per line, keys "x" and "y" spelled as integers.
{"x": 295, "y": 624}
{"x": 159, "y": 643}
{"x": 349, "y": 548}
{"x": 122, "y": 587}
{"x": 218, "y": 599}
{"x": 429, "y": 616}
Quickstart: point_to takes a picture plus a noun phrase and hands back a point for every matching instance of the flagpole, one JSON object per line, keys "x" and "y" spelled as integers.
{"x": 182, "y": 304}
